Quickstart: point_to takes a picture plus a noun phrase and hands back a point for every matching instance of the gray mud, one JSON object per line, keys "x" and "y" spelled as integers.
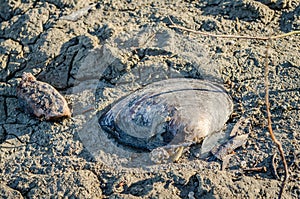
{"x": 96, "y": 53}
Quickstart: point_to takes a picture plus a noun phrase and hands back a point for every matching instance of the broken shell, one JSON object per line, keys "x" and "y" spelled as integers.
{"x": 41, "y": 99}
{"x": 175, "y": 112}
{"x": 222, "y": 151}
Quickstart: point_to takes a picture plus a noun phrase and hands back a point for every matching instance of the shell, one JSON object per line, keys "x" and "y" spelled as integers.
{"x": 41, "y": 99}
{"x": 223, "y": 150}
{"x": 169, "y": 112}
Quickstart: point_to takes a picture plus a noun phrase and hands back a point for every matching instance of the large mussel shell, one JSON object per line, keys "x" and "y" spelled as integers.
{"x": 168, "y": 112}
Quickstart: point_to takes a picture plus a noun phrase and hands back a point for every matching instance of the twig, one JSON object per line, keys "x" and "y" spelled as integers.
{"x": 286, "y": 34}
{"x": 274, "y": 171}
{"x": 217, "y": 35}
{"x": 233, "y": 36}
{"x": 267, "y": 39}
{"x": 279, "y": 146}
{"x": 256, "y": 169}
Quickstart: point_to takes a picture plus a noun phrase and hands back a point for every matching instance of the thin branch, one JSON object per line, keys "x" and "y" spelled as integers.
{"x": 233, "y": 36}
{"x": 272, "y": 135}
{"x": 217, "y": 35}
{"x": 286, "y": 34}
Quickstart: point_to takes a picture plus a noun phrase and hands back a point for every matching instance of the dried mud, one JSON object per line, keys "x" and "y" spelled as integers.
{"x": 96, "y": 53}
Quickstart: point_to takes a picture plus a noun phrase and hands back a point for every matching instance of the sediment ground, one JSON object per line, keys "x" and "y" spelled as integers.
{"x": 94, "y": 53}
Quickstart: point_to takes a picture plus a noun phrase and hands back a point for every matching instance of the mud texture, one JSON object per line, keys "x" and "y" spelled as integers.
{"x": 96, "y": 53}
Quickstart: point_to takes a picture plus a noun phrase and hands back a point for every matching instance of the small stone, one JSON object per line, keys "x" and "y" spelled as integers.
{"x": 191, "y": 195}
{"x": 159, "y": 156}
{"x": 243, "y": 164}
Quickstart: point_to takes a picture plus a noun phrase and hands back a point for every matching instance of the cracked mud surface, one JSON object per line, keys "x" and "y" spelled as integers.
{"x": 79, "y": 46}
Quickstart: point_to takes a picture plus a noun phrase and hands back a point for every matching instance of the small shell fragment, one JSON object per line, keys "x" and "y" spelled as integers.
{"x": 222, "y": 151}
{"x": 41, "y": 99}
